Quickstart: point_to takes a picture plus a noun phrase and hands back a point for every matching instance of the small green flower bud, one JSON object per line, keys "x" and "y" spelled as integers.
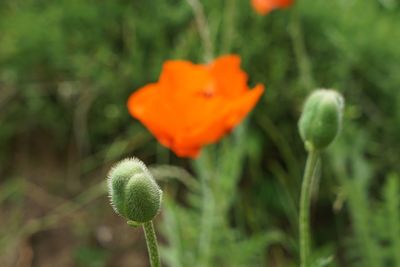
{"x": 321, "y": 119}
{"x": 133, "y": 191}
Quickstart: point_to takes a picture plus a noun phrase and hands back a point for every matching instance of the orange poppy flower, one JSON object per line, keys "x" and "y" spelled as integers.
{"x": 193, "y": 105}
{"x": 263, "y": 7}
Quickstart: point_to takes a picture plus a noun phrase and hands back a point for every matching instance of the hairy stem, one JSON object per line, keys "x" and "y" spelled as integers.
{"x": 207, "y": 223}
{"x": 152, "y": 245}
{"x": 305, "y": 199}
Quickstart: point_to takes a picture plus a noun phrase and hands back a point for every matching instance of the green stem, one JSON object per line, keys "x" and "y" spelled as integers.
{"x": 207, "y": 223}
{"x": 305, "y": 199}
{"x": 152, "y": 245}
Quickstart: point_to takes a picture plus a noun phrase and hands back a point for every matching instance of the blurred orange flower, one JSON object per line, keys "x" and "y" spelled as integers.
{"x": 263, "y": 7}
{"x": 193, "y": 105}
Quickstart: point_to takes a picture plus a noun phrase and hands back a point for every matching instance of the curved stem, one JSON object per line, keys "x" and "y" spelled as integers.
{"x": 152, "y": 245}
{"x": 305, "y": 199}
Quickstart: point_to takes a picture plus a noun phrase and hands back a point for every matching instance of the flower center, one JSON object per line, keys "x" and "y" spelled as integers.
{"x": 208, "y": 91}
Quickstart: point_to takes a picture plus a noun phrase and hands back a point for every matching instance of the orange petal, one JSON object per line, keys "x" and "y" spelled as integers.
{"x": 182, "y": 81}
{"x": 183, "y": 78}
{"x": 231, "y": 81}
{"x": 191, "y": 152}
{"x": 194, "y": 105}
{"x": 285, "y": 3}
{"x": 147, "y": 105}
{"x": 220, "y": 117}
{"x": 243, "y": 105}
{"x": 263, "y": 7}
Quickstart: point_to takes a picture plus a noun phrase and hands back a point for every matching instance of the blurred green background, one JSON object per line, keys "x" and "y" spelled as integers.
{"x": 68, "y": 66}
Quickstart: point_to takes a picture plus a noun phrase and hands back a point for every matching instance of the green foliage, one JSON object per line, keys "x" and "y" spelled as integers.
{"x": 91, "y": 256}
{"x": 200, "y": 232}
{"x": 68, "y": 66}
{"x": 375, "y": 222}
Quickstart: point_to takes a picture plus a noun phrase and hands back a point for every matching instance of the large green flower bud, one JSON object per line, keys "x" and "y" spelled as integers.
{"x": 321, "y": 119}
{"x": 133, "y": 191}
